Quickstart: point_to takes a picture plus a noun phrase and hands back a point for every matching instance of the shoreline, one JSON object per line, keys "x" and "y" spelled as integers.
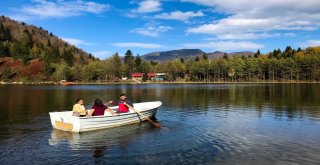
{"x": 175, "y": 82}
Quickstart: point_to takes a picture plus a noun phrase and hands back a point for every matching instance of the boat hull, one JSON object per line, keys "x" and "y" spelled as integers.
{"x": 66, "y": 122}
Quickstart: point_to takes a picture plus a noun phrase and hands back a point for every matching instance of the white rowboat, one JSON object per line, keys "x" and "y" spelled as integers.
{"x": 66, "y": 122}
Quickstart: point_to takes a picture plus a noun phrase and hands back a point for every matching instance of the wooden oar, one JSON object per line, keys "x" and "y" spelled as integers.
{"x": 146, "y": 117}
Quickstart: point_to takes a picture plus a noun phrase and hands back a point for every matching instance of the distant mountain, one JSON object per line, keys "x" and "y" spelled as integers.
{"x": 218, "y": 54}
{"x": 173, "y": 54}
{"x": 189, "y": 54}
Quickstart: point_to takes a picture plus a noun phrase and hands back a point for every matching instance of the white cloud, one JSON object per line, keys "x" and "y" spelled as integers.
{"x": 76, "y": 42}
{"x": 245, "y": 36}
{"x": 311, "y": 43}
{"x": 259, "y": 16}
{"x": 61, "y": 8}
{"x": 138, "y": 45}
{"x": 102, "y": 54}
{"x": 151, "y": 30}
{"x": 149, "y": 6}
{"x": 289, "y": 34}
{"x": 180, "y": 16}
{"x": 225, "y": 45}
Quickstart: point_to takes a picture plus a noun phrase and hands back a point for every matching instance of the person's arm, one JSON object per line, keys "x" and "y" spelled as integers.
{"x": 128, "y": 102}
{"x": 110, "y": 111}
{"x": 90, "y": 112}
{"x": 111, "y": 102}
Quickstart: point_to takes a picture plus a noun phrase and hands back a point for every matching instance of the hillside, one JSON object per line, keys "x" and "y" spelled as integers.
{"x": 173, "y": 54}
{"x": 22, "y": 46}
{"x": 218, "y": 54}
{"x": 189, "y": 54}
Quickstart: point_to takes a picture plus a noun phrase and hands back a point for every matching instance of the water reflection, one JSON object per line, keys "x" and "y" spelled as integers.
{"x": 292, "y": 100}
{"x": 101, "y": 141}
{"x": 202, "y": 124}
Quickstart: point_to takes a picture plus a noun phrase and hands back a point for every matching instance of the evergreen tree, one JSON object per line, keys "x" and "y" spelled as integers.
{"x": 138, "y": 62}
{"x": 288, "y": 53}
{"x": 48, "y": 43}
{"x": 144, "y": 77}
{"x": 2, "y": 31}
{"x": 5, "y": 33}
{"x": 116, "y": 65}
{"x": 299, "y": 49}
{"x": 257, "y": 54}
{"x": 4, "y": 50}
{"x": 225, "y": 56}
{"x": 128, "y": 57}
{"x": 68, "y": 57}
{"x": 205, "y": 56}
{"x": 81, "y": 59}
{"x": 7, "y": 74}
{"x": 197, "y": 58}
{"x": 181, "y": 60}
{"x": 129, "y": 63}
{"x": 16, "y": 51}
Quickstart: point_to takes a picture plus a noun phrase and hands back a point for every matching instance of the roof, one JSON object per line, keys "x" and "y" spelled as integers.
{"x": 137, "y": 74}
{"x": 141, "y": 74}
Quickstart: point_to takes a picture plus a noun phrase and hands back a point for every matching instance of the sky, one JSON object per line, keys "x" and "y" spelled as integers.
{"x": 104, "y": 27}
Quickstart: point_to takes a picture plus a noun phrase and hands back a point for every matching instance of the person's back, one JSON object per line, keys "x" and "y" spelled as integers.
{"x": 98, "y": 110}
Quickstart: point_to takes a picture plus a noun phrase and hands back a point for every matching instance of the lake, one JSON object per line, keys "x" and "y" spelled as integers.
{"x": 201, "y": 124}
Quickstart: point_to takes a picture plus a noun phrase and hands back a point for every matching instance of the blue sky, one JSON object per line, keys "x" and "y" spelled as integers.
{"x": 105, "y": 27}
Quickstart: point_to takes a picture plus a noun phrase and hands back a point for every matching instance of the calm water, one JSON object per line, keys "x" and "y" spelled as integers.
{"x": 202, "y": 124}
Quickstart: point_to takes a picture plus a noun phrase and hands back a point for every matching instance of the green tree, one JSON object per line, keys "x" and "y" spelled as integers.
{"x": 299, "y": 49}
{"x": 129, "y": 63}
{"x": 116, "y": 65}
{"x": 257, "y": 54}
{"x": 5, "y": 34}
{"x": 181, "y": 60}
{"x": 144, "y": 77}
{"x": 153, "y": 63}
{"x": 7, "y": 74}
{"x": 288, "y": 53}
{"x": 62, "y": 72}
{"x": 4, "y": 50}
{"x": 225, "y": 55}
{"x": 138, "y": 62}
{"x": 67, "y": 57}
{"x": 77, "y": 72}
{"x": 128, "y": 57}
{"x": 205, "y": 56}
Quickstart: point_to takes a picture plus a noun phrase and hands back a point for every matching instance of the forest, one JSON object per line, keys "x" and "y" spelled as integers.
{"x": 60, "y": 60}
{"x": 280, "y": 66}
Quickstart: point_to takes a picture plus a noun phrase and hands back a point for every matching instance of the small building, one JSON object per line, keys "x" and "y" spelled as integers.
{"x": 151, "y": 76}
{"x": 138, "y": 76}
{"x": 160, "y": 76}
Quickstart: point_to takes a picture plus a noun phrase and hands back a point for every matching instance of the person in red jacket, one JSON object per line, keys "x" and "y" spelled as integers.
{"x": 124, "y": 104}
{"x": 98, "y": 109}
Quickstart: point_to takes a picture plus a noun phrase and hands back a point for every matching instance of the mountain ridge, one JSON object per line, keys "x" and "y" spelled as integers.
{"x": 189, "y": 54}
